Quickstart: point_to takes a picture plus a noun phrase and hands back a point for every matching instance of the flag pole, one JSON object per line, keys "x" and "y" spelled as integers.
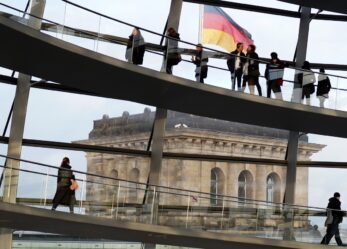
{"x": 201, "y": 19}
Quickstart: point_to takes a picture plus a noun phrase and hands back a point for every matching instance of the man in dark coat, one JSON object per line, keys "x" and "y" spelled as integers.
{"x": 235, "y": 65}
{"x": 333, "y": 226}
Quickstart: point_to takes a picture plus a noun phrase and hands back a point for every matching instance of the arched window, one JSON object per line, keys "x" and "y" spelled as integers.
{"x": 134, "y": 176}
{"x": 273, "y": 188}
{"x": 245, "y": 185}
{"x": 217, "y": 186}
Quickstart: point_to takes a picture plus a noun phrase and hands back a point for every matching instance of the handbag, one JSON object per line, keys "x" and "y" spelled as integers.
{"x": 74, "y": 185}
{"x": 279, "y": 82}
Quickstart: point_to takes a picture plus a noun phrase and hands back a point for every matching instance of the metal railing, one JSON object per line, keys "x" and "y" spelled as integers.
{"x": 121, "y": 200}
{"x": 287, "y": 95}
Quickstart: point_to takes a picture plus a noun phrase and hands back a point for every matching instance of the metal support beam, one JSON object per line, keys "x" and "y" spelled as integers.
{"x": 161, "y": 114}
{"x": 304, "y": 30}
{"x": 17, "y": 129}
{"x": 175, "y": 14}
{"x": 157, "y": 146}
{"x": 301, "y": 50}
{"x": 159, "y": 126}
{"x": 19, "y": 115}
{"x": 292, "y": 151}
{"x": 293, "y": 141}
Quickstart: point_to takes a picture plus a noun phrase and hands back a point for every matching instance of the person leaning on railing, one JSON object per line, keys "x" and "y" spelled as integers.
{"x": 307, "y": 79}
{"x": 66, "y": 186}
{"x": 135, "y": 47}
{"x": 200, "y": 60}
{"x": 235, "y": 65}
{"x": 323, "y": 88}
{"x": 274, "y": 76}
{"x": 251, "y": 71}
{"x": 172, "y": 56}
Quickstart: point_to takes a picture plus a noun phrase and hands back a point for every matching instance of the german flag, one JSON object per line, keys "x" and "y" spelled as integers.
{"x": 221, "y": 30}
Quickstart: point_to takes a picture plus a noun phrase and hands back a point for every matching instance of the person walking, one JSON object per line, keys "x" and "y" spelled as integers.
{"x": 307, "y": 79}
{"x": 66, "y": 186}
{"x": 334, "y": 218}
{"x": 135, "y": 47}
{"x": 274, "y": 76}
{"x": 252, "y": 70}
{"x": 172, "y": 56}
{"x": 200, "y": 60}
{"x": 323, "y": 88}
{"x": 235, "y": 64}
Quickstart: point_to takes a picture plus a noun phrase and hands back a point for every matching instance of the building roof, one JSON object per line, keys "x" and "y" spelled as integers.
{"x": 138, "y": 123}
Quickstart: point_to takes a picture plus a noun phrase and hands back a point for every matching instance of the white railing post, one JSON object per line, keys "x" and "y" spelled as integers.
{"x": 81, "y": 196}
{"x": 188, "y": 205}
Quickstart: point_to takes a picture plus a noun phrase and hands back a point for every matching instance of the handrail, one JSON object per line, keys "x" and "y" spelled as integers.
{"x": 152, "y": 32}
{"x": 112, "y": 39}
{"x": 216, "y": 196}
{"x": 158, "y": 189}
{"x": 182, "y": 41}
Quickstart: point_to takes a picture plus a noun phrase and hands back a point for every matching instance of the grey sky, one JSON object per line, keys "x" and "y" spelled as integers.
{"x": 68, "y": 117}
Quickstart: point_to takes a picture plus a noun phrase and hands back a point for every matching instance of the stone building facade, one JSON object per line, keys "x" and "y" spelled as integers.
{"x": 197, "y": 135}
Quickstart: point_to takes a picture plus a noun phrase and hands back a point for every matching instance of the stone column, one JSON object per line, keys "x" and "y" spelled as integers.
{"x": 260, "y": 179}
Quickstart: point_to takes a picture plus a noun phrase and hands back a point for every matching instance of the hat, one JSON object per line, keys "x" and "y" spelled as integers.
{"x": 336, "y": 194}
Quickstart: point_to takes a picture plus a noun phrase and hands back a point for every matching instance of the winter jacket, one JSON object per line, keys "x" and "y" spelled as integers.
{"x": 323, "y": 85}
{"x": 135, "y": 49}
{"x": 273, "y": 66}
{"x": 232, "y": 60}
{"x": 174, "y": 56}
{"x": 335, "y": 204}
{"x": 64, "y": 176}
{"x": 201, "y": 62}
{"x": 306, "y": 78}
{"x": 253, "y": 64}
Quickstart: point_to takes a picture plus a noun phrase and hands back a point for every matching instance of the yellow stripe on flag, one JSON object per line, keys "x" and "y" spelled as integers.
{"x": 220, "y": 38}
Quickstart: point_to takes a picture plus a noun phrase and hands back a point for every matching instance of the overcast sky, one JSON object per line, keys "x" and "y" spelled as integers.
{"x": 68, "y": 117}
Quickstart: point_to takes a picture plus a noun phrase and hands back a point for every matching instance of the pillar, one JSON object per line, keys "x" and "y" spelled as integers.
{"x": 160, "y": 119}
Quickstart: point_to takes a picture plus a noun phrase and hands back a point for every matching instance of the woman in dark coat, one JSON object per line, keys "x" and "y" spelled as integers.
{"x": 201, "y": 64}
{"x": 135, "y": 48}
{"x": 64, "y": 195}
{"x": 252, "y": 72}
{"x": 323, "y": 88}
{"x": 172, "y": 56}
{"x": 307, "y": 79}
